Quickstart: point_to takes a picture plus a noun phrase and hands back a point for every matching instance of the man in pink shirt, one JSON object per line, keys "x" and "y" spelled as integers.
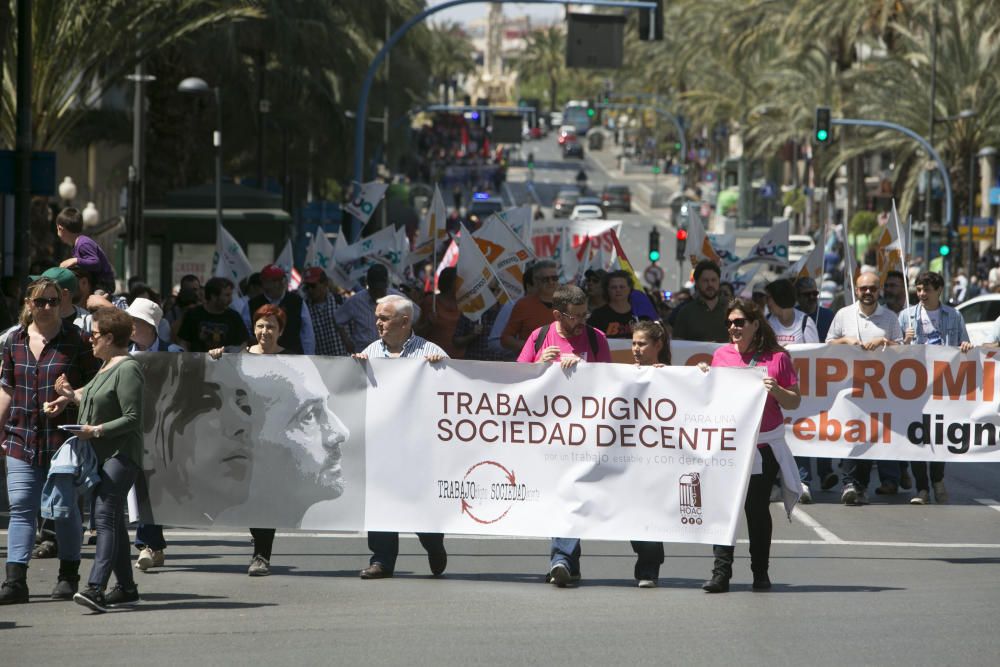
{"x": 568, "y": 341}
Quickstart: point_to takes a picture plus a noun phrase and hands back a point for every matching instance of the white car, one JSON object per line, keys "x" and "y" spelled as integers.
{"x": 799, "y": 245}
{"x": 979, "y": 314}
{"x": 586, "y": 212}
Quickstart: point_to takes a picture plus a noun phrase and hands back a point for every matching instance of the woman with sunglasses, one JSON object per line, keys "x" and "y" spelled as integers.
{"x": 753, "y": 344}
{"x": 111, "y": 420}
{"x": 36, "y": 353}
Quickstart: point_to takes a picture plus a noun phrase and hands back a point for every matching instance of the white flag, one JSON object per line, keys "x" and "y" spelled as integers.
{"x": 474, "y": 294}
{"x": 229, "y": 261}
{"x": 519, "y": 220}
{"x": 387, "y": 246}
{"x": 366, "y": 199}
{"x": 701, "y": 245}
{"x": 505, "y": 253}
{"x": 772, "y": 248}
{"x": 320, "y": 253}
{"x": 432, "y": 230}
{"x": 286, "y": 260}
{"x": 808, "y": 266}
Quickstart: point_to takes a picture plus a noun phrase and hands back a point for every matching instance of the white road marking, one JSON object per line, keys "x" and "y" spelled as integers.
{"x": 824, "y": 533}
{"x": 989, "y": 502}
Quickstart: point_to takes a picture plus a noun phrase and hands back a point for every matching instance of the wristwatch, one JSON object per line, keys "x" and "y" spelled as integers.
{"x": 99, "y": 431}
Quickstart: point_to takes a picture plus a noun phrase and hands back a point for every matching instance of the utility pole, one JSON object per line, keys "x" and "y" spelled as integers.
{"x": 23, "y": 144}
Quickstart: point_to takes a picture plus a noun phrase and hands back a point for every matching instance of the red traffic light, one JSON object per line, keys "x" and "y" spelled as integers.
{"x": 682, "y": 235}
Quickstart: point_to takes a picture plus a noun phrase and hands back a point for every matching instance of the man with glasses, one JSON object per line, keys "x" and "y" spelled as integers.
{"x": 567, "y": 340}
{"x": 532, "y": 310}
{"x": 873, "y": 327}
{"x": 323, "y": 306}
{"x": 808, "y": 302}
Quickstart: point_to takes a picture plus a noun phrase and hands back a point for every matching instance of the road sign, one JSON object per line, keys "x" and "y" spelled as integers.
{"x": 653, "y": 274}
{"x": 995, "y": 196}
{"x": 983, "y": 229}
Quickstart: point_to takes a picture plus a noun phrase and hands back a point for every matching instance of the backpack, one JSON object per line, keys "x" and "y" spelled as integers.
{"x": 544, "y": 331}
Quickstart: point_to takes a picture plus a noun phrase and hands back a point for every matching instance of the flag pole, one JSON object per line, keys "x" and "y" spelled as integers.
{"x": 904, "y": 249}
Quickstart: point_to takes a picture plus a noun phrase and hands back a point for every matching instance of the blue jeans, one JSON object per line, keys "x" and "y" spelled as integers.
{"x": 150, "y": 535}
{"x": 889, "y": 471}
{"x": 566, "y": 550}
{"x": 24, "y": 493}
{"x": 823, "y": 468}
{"x": 112, "y": 554}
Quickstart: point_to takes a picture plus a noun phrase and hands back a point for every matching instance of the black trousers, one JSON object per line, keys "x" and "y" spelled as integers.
{"x": 757, "y": 508}
{"x": 920, "y": 474}
{"x": 385, "y": 547}
{"x": 649, "y": 559}
{"x": 112, "y": 553}
{"x": 263, "y": 541}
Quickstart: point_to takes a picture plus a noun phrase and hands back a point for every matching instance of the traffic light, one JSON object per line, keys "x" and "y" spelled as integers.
{"x": 945, "y": 249}
{"x": 654, "y": 245}
{"x": 822, "y": 132}
{"x": 651, "y": 23}
{"x": 682, "y": 241}
{"x": 590, "y": 112}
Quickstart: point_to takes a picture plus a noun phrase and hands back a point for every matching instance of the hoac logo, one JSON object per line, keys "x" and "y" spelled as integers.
{"x": 690, "y": 498}
{"x": 487, "y": 492}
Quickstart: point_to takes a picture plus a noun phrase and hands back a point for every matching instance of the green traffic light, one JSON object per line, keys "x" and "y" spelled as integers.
{"x": 656, "y": 170}
{"x": 677, "y": 146}
{"x": 822, "y": 135}
{"x": 944, "y": 250}
{"x": 590, "y": 112}
{"x": 654, "y": 255}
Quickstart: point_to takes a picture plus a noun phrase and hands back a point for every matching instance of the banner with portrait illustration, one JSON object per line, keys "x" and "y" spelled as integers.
{"x": 907, "y": 402}
{"x": 603, "y": 451}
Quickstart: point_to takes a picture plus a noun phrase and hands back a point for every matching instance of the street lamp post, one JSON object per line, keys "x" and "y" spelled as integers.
{"x": 194, "y": 85}
{"x": 67, "y": 191}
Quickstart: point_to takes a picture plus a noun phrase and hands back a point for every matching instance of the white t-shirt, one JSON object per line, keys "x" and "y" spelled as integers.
{"x": 797, "y": 332}
{"x": 930, "y": 323}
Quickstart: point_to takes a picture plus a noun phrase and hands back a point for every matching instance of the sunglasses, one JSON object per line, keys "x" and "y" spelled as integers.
{"x": 42, "y": 302}
{"x": 738, "y": 322}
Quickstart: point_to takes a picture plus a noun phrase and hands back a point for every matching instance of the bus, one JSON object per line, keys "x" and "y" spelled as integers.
{"x": 578, "y": 114}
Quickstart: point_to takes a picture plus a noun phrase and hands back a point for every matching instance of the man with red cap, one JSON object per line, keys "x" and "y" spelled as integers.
{"x": 323, "y": 306}
{"x": 298, "y": 336}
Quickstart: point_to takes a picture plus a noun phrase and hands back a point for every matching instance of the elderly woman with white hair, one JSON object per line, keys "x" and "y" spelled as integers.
{"x": 394, "y": 317}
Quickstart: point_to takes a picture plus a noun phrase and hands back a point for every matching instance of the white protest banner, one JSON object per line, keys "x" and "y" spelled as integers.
{"x": 565, "y": 240}
{"x": 366, "y": 198}
{"x": 604, "y": 451}
{"x": 229, "y": 260}
{"x": 431, "y": 232}
{"x": 772, "y": 247}
{"x": 286, "y": 260}
{"x": 506, "y": 254}
{"x": 473, "y": 290}
{"x": 906, "y": 403}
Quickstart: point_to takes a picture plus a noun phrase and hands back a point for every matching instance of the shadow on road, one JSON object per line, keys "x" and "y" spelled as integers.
{"x": 154, "y": 601}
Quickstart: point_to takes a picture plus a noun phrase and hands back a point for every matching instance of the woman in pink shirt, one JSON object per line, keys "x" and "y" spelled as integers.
{"x": 753, "y": 344}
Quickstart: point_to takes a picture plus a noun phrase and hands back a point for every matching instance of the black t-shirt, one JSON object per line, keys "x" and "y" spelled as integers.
{"x": 613, "y": 323}
{"x": 203, "y": 331}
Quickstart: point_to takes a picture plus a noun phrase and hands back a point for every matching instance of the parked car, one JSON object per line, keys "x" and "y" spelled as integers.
{"x": 564, "y": 202}
{"x": 573, "y": 149}
{"x": 799, "y": 245}
{"x": 567, "y": 134}
{"x": 617, "y": 197}
{"x": 979, "y": 314}
{"x": 586, "y": 212}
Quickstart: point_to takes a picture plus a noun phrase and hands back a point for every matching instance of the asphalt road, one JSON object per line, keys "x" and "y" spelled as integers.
{"x": 884, "y": 584}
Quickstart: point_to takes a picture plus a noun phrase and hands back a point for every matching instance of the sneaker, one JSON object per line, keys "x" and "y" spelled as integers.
{"x": 559, "y": 575}
{"x": 887, "y": 488}
{"x": 862, "y": 498}
{"x": 849, "y": 495}
{"x": 149, "y": 558}
{"x": 259, "y": 567}
{"x": 775, "y": 494}
{"x": 92, "y": 598}
{"x": 647, "y": 583}
{"x": 122, "y": 597}
{"x": 806, "y": 497}
{"x": 922, "y": 498}
{"x": 905, "y": 481}
{"x": 940, "y": 493}
{"x": 829, "y": 481}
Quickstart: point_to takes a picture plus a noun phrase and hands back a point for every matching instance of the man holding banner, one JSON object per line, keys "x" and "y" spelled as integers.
{"x": 394, "y": 322}
{"x": 568, "y": 342}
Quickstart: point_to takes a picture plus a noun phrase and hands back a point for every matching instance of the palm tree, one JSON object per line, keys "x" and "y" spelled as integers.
{"x": 450, "y": 52}
{"x": 545, "y": 58}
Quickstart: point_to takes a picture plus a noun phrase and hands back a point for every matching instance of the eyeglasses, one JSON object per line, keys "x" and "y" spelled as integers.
{"x": 575, "y": 318}
{"x": 809, "y": 295}
{"x": 42, "y": 302}
{"x": 868, "y": 288}
{"x": 94, "y": 335}
{"x": 738, "y": 322}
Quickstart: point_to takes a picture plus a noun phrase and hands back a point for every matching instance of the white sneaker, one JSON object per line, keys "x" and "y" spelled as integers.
{"x": 921, "y": 498}
{"x": 806, "y": 497}
{"x": 647, "y": 583}
{"x": 849, "y": 495}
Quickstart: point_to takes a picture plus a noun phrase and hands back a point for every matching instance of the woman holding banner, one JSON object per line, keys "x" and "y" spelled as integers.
{"x": 753, "y": 344}
{"x": 650, "y": 347}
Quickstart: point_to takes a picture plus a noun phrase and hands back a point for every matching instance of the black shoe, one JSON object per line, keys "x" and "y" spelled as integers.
{"x": 45, "y": 549}
{"x": 122, "y": 597}
{"x": 92, "y": 598}
{"x": 717, "y": 584}
{"x": 15, "y": 589}
{"x": 69, "y": 580}
{"x": 829, "y": 481}
{"x": 438, "y": 562}
{"x": 761, "y": 582}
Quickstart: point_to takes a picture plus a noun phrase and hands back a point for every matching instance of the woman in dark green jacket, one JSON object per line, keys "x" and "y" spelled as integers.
{"x": 111, "y": 420}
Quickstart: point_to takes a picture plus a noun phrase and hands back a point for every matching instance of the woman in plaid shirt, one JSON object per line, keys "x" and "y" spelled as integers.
{"x": 41, "y": 349}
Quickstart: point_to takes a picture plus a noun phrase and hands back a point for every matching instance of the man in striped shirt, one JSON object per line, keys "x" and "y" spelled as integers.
{"x": 394, "y": 322}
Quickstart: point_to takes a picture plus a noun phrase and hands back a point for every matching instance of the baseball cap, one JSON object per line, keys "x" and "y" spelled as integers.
{"x": 313, "y": 275}
{"x": 272, "y": 272}
{"x": 145, "y": 310}
{"x": 65, "y": 278}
